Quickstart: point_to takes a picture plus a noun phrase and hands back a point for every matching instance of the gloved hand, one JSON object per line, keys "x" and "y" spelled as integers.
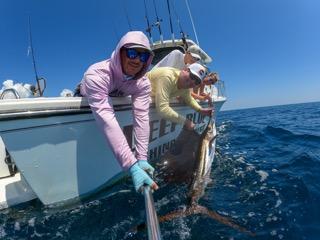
{"x": 146, "y": 167}
{"x": 140, "y": 178}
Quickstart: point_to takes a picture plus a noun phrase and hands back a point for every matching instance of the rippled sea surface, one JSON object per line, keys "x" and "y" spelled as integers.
{"x": 265, "y": 176}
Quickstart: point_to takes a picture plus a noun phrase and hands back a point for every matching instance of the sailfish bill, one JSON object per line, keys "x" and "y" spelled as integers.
{"x": 189, "y": 161}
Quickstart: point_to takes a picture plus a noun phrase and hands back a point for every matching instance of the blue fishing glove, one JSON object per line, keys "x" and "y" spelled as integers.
{"x": 146, "y": 166}
{"x": 139, "y": 177}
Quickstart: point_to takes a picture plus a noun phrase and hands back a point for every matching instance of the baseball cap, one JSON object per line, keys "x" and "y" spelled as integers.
{"x": 198, "y": 70}
{"x": 138, "y": 46}
{"x": 194, "y": 51}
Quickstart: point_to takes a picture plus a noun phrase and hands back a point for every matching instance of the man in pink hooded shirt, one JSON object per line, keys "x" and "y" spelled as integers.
{"x": 123, "y": 75}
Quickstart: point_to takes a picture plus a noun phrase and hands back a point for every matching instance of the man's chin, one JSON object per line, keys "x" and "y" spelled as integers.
{"x": 133, "y": 71}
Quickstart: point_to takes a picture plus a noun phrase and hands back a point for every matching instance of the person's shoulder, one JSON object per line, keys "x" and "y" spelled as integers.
{"x": 97, "y": 66}
{"x": 97, "y": 72}
{"x": 144, "y": 81}
{"x": 142, "y": 86}
{"x": 165, "y": 71}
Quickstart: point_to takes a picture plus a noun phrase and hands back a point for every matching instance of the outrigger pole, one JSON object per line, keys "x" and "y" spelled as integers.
{"x": 194, "y": 29}
{"x": 158, "y": 22}
{"x": 171, "y": 28}
{"x": 148, "y": 30}
{"x": 34, "y": 63}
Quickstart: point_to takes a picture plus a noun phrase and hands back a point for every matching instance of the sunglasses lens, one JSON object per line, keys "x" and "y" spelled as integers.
{"x": 131, "y": 53}
{"x": 144, "y": 56}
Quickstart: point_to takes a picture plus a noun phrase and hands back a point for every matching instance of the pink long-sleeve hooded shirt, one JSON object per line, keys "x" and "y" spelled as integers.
{"x": 106, "y": 78}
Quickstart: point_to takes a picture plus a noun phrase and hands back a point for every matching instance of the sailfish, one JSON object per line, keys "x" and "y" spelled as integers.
{"x": 189, "y": 161}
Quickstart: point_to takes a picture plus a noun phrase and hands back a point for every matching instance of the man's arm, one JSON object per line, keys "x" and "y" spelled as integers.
{"x": 141, "y": 103}
{"x": 193, "y": 104}
{"x": 96, "y": 90}
{"x": 189, "y": 100}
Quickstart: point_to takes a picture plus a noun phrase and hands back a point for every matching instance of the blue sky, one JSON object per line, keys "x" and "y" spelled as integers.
{"x": 266, "y": 51}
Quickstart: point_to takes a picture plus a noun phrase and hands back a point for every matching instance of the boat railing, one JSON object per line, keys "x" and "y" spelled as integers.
{"x": 221, "y": 91}
{"x": 14, "y": 93}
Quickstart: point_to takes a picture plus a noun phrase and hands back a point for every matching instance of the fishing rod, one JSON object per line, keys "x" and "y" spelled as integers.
{"x": 38, "y": 79}
{"x": 182, "y": 33}
{"x": 148, "y": 30}
{"x": 158, "y": 22}
{"x": 194, "y": 29}
{"x": 171, "y": 28}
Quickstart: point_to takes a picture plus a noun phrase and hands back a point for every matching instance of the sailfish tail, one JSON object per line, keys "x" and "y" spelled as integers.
{"x": 197, "y": 209}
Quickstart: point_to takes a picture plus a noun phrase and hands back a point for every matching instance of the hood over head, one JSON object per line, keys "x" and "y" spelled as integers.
{"x": 130, "y": 39}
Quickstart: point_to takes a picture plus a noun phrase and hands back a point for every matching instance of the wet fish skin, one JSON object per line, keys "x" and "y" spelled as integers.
{"x": 198, "y": 177}
{"x": 186, "y": 163}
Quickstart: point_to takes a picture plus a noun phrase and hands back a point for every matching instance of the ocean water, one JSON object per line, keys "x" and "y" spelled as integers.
{"x": 265, "y": 176}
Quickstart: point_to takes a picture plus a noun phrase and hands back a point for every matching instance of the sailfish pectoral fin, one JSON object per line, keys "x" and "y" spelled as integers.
{"x": 222, "y": 219}
{"x": 168, "y": 217}
{"x": 197, "y": 209}
{"x": 175, "y": 214}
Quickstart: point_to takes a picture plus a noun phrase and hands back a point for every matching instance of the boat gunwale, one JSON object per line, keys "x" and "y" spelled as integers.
{"x": 49, "y": 107}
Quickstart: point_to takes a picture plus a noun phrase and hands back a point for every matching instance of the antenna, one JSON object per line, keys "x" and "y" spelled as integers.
{"x": 149, "y": 28}
{"x": 158, "y": 22}
{"x": 194, "y": 29}
{"x": 115, "y": 31}
{"x": 171, "y": 28}
{"x": 34, "y": 62}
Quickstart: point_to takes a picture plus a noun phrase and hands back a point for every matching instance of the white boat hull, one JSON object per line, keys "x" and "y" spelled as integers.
{"x": 15, "y": 190}
{"x": 59, "y": 150}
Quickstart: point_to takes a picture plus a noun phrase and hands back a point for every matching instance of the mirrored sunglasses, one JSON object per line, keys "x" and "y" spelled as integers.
{"x": 132, "y": 53}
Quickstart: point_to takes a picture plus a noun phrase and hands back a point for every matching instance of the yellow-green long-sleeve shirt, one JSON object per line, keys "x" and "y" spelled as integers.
{"x": 164, "y": 87}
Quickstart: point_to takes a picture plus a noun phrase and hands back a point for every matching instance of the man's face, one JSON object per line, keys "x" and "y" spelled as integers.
{"x": 189, "y": 59}
{"x": 133, "y": 60}
{"x": 210, "y": 79}
{"x": 188, "y": 80}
